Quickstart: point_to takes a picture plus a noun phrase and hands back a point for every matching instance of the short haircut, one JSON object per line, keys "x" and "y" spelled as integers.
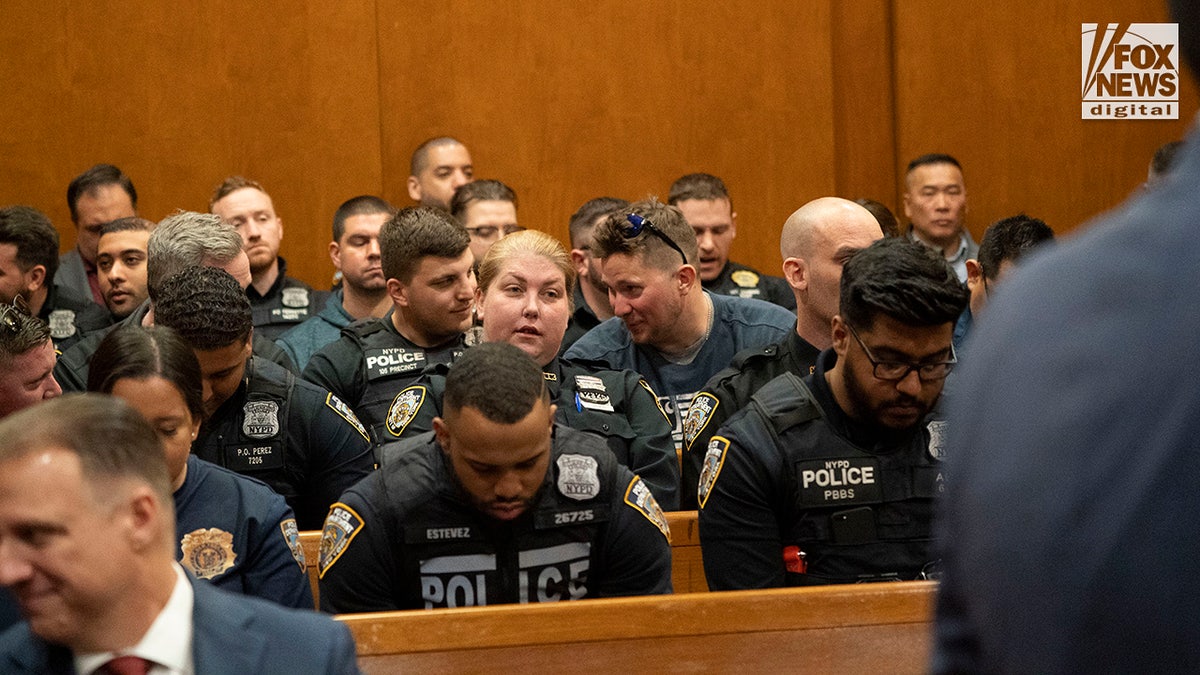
{"x": 526, "y": 242}
{"x": 903, "y": 279}
{"x": 206, "y": 307}
{"x": 130, "y": 224}
{"x": 1009, "y": 240}
{"x": 188, "y": 239}
{"x": 416, "y": 233}
{"x": 137, "y": 352}
{"x": 1164, "y": 157}
{"x": 112, "y": 440}
{"x": 420, "y": 156}
{"x": 97, "y": 177}
{"x": 233, "y": 184}
{"x": 883, "y": 216}
{"x": 497, "y": 379}
{"x": 20, "y": 331}
{"x": 362, "y": 205}
{"x": 609, "y": 236}
{"x": 698, "y": 186}
{"x": 34, "y": 236}
{"x": 932, "y": 158}
{"x": 479, "y": 191}
{"x": 584, "y": 219}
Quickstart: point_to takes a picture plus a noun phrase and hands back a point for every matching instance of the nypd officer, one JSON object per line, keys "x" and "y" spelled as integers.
{"x": 830, "y": 478}
{"x": 260, "y": 420}
{"x": 498, "y": 505}
{"x": 429, "y": 269}
{"x": 524, "y": 299}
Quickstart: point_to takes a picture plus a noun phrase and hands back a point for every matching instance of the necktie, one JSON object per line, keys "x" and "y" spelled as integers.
{"x": 125, "y": 665}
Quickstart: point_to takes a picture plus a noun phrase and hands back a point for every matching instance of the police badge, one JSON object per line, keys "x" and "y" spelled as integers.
{"x": 207, "y": 553}
{"x": 590, "y": 393}
{"x": 295, "y": 297}
{"x": 404, "y": 408}
{"x": 937, "y": 438}
{"x": 261, "y": 419}
{"x": 62, "y": 324}
{"x": 744, "y": 278}
{"x": 577, "y": 477}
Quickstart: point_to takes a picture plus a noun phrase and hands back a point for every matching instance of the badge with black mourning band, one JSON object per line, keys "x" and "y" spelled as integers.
{"x": 404, "y": 409}
{"x": 938, "y": 432}
{"x": 207, "y": 553}
{"x": 578, "y": 477}
{"x": 62, "y": 324}
{"x": 838, "y": 480}
{"x": 341, "y": 526}
{"x": 294, "y": 297}
{"x": 590, "y": 393}
{"x": 699, "y": 413}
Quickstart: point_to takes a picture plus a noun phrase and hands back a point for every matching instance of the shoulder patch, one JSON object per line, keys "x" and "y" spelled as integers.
{"x": 341, "y": 526}
{"x": 294, "y": 297}
{"x": 639, "y": 496}
{"x": 62, "y": 324}
{"x": 744, "y": 278}
{"x": 699, "y": 413}
{"x": 937, "y": 438}
{"x": 577, "y": 476}
{"x": 207, "y": 552}
{"x": 344, "y": 411}
{"x": 714, "y": 459}
{"x": 260, "y": 419}
{"x": 657, "y": 401}
{"x": 404, "y": 409}
{"x": 591, "y": 393}
{"x": 291, "y": 534}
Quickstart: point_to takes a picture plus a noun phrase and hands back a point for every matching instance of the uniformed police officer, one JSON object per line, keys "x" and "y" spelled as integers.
{"x": 498, "y": 505}
{"x": 523, "y": 299}
{"x": 430, "y": 279}
{"x": 816, "y": 241}
{"x": 279, "y": 302}
{"x": 830, "y": 478}
{"x": 261, "y": 421}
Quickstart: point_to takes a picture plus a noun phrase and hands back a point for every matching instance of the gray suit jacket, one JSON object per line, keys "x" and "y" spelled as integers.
{"x": 72, "y": 275}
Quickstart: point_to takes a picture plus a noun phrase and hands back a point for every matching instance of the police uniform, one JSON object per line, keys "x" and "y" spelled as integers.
{"x": 370, "y": 364}
{"x": 286, "y": 304}
{"x": 794, "y": 492}
{"x": 236, "y": 533}
{"x": 71, "y": 317}
{"x": 301, "y": 342}
{"x": 746, "y": 282}
{"x": 617, "y": 406}
{"x": 292, "y": 435}
{"x": 407, "y": 537}
{"x": 728, "y": 392}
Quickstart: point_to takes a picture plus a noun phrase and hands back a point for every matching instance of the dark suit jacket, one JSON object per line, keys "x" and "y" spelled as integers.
{"x": 233, "y": 634}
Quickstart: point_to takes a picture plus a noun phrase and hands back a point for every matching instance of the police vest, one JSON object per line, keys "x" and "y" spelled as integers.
{"x": 292, "y": 305}
{"x": 849, "y": 510}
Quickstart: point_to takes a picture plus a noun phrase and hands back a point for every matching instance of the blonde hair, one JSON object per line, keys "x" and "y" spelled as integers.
{"x": 526, "y": 242}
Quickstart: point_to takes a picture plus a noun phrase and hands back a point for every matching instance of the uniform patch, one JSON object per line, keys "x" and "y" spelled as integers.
{"x": 714, "y": 459}
{"x": 835, "y": 481}
{"x": 699, "y": 413}
{"x": 744, "y": 278}
{"x": 388, "y": 361}
{"x": 291, "y": 534}
{"x": 295, "y": 297}
{"x": 261, "y": 419}
{"x": 207, "y": 553}
{"x": 577, "y": 477}
{"x": 404, "y": 409}
{"x": 550, "y": 377}
{"x": 639, "y": 496}
{"x": 347, "y": 414}
{"x": 341, "y": 526}
{"x": 657, "y": 402}
{"x": 590, "y": 393}
{"x": 938, "y": 430}
{"x": 62, "y": 324}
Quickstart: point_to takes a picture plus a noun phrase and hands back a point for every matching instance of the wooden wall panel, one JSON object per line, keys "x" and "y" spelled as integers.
{"x": 998, "y": 86}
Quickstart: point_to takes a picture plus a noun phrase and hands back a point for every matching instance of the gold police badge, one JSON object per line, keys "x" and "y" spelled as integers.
{"x": 207, "y": 553}
{"x": 744, "y": 278}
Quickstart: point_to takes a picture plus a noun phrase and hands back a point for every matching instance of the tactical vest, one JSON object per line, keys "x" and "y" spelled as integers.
{"x": 853, "y": 510}
{"x": 291, "y": 306}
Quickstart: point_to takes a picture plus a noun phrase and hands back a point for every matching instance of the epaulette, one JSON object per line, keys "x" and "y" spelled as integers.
{"x": 785, "y": 402}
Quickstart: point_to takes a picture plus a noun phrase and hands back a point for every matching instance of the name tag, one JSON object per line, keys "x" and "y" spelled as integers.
{"x": 243, "y": 458}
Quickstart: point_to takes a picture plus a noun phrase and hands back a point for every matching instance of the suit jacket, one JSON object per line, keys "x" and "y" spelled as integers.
{"x": 72, "y": 274}
{"x": 232, "y": 634}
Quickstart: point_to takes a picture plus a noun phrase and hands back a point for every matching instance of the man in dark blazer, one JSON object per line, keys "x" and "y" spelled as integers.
{"x": 88, "y": 532}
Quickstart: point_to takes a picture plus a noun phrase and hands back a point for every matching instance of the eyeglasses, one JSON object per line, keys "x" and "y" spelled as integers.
{"x": 638, "y": 223}
{"x": 489, "y": 231}
{"x": 894, "y": 371}
{"x": 11, "y": 315}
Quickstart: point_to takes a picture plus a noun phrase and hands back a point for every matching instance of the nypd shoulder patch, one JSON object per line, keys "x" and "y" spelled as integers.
{"x": 404, "y": 409}
{"x": 291, "y": 534}
{"x": 338, "y": 406}
{"x": 341, "y": 526}
{"x": 639, "y": 496}
{"x": 714, "y": 459}
{"x": 699, "y": 413}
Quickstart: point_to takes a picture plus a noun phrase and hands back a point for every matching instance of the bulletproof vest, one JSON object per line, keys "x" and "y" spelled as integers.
{"x": 391, "y": 365}
{"x": 857, "y": 510}
{"x": 291, "y": 306}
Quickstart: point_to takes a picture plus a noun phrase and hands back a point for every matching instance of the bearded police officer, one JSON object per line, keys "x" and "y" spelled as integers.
{"x": 830, "y": 478}
{"x": 260, "y": 421}
{"x": 498, "y": 505}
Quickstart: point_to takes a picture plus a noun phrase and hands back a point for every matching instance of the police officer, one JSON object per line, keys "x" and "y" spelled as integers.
{"x": 429, "y": 268}
{"x": 816, "y": 241}
{"x": 498, "y": 505}
{"x": 830, "y": 478}
{"x": 260, "y": 420}
{"x": 279, "y": 302}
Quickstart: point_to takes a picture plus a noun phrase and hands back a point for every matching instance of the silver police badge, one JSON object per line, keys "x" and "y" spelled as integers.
{"x": 938, "y": 429}
{"x": 295, "y": 297}
{"x": 577, "y": 476}
{"x": 62, "y": 324}
{"x": 261, "y": 419}
{"x": 404, "y": 408}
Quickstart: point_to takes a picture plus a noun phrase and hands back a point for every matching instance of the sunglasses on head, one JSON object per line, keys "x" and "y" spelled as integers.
{"x": 637, "y": 224}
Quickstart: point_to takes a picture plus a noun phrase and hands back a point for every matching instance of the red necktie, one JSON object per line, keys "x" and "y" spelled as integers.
{"x": 125, "y": 665}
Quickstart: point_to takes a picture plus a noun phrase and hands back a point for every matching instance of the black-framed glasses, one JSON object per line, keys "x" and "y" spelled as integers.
{"x": 894, "y": 371}
{"x": 638, "y": 223}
